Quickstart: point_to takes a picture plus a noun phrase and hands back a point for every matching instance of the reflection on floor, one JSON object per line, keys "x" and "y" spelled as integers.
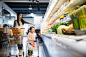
{"x": 14, "y": 50}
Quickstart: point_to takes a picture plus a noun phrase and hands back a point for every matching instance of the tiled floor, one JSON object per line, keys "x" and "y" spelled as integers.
{"x": 14, "y": 50}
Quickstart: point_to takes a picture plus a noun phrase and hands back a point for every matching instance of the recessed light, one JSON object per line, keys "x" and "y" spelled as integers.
{"x": 30, "y": 8}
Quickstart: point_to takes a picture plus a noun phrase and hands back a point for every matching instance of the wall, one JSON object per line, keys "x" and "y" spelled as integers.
{"x": 37, "y": 18}
{"x": 29, "y": 20}
{"x": 27, "y": 26}
{"x": 9, "y": 21}
{"x": 37, "y": 21}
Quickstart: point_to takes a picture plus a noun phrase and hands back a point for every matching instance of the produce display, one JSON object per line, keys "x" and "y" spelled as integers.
{"x": 59, "y": 29}
{"x": 68, "y": 30}
{"x": 55, "y": 26}
{"x": 75, "y": 21}
{"x": 63, "y": 6}
{"x": 82, "y": 17}
{"x": 79, "y": 18}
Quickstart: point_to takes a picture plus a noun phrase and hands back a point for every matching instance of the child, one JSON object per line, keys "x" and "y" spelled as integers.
{"x": 31, "y": 34}
{"x": 31, "y": 37}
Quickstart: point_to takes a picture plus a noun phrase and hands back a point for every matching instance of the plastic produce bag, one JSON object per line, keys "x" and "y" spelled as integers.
{"x": 10, "y": 32}
{"x": 30, "y": 46}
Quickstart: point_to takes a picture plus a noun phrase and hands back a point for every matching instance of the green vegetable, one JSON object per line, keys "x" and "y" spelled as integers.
{"x": 31, "y": 48}
{"x": 17, "y": 37}
{"x": 82, "y": 20}
{"x": 55, "y": 26}
{"x": 79, "y": 23}
{"x": 11, "y": 40}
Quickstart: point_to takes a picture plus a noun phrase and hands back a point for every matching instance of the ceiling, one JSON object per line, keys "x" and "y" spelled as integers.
{"x": 22, "y": 7}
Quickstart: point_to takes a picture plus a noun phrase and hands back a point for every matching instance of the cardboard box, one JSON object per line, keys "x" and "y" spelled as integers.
{"x": 5, "y": 30}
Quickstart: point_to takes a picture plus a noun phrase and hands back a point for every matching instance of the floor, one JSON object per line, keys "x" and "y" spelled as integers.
{"x": 4, "y": 52}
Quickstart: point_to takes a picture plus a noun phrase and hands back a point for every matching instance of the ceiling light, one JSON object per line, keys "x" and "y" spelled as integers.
{"x": 30, "y": 8}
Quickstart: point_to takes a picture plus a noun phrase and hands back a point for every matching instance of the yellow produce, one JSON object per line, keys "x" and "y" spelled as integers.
{"x": 59, "y": 30}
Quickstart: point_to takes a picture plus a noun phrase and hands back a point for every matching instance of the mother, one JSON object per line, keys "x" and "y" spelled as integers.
{"x": 19, "y": 23}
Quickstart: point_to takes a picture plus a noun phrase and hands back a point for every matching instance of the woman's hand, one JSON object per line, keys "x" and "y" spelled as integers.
{"x": 34, "y": 24}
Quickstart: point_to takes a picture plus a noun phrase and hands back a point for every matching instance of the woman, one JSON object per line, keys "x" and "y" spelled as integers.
{"x": 19, "y": 23}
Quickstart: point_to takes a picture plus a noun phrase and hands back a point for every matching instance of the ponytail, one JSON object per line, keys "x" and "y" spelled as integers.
{"x": 28, "y": 30}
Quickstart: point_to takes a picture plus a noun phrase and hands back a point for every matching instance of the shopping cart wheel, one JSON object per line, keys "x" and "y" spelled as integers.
{"x": 37, "y": 56}
{"x": 26, "y": 56}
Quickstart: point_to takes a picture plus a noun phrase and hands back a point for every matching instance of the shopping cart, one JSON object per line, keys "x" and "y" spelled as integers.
{"x": 12, "y": 47}
{"x": 32, "y": 46}
{"x": 14, "y": 41}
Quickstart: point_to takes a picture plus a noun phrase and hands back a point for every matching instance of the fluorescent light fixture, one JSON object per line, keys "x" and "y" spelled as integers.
{"x": 30, "y": 8}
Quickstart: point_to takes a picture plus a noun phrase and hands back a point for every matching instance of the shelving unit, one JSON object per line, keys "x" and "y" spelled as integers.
{"x": 71, "y": 5}
{"x": 51, "y": 14}
{"x": 52, "y": 8}
{"x": 70, "y": 42}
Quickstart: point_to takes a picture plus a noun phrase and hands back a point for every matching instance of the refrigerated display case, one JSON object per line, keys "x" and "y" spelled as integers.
{"x": 70, "y": 44}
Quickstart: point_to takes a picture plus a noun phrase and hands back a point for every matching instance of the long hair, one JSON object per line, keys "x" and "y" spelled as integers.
{"x": 18, "y": 19}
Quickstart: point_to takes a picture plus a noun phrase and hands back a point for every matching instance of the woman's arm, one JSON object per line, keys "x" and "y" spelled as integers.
{"x": 29, "y": 23}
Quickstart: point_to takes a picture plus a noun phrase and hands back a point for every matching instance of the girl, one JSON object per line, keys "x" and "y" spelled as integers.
{"x": 31, "y": 37}
{"x": 31, "y": 34}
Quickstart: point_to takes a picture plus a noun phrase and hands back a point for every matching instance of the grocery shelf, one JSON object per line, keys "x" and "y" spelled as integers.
{"x": 71, "y": 5}
{"x": 51, "y": 5}
{"x": 56, "y": 6}
{"x": 73, "y": 37}
{"x": 75, "y": 45}
{"x": 71, "y": 42}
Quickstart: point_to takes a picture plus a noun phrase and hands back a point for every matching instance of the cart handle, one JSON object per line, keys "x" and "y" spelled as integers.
{"x": 33, "y": 40}
{"x": 22, "y": 28}
{"x": 7, "y": 35}
{"x": 37, "y": 43}
{"x": 17, "y": 28}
